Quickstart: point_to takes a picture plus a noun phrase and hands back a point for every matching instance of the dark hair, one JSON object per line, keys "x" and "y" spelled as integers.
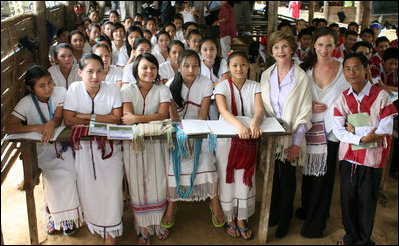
{"x": 349, "y": 32}
{"x": 342, "y": 30}
{"x": 390, "y": 53}
{"x": 127, "y": 17}
{"x": 312, "y": 29}
{"x": 367, "y": 30}
{"x": 73, "y": 33}
{"x": 148, "y": 20}
{"x": 115, "y": 27}
{"x": 139, "y": 41}
{"x": 305, "y": 31}
{"x": 130, "y": 30}
{"x": 34, "y": 73}
{"x": 138, "y": 15}
{"x": 91, "y": 11}
{"x": 145, "y": 30}
{"x": 77, "y": 25}
{"x": 151, "y": 59}
{"x": 91, "y": 26}
{"x": 107, "y": 22}
{"x": 89, "y": 56}
{"x": 169, "y": 24}
{"x": 135, "y": 23}
{"x": 177, "y": 82}
{"x": 193, "y": 32}
{"x": 282, "y": 24}
{"x": 310, "y": 58}
{"x": 61, "y": 46}
{"x": 361, "y": 43}
{"x": 237, "y": 53}
{"x": 97, "y": 45}
{"x": 218, "y": 59}
{"x": 86, "y": 19}
{"x": 61, "y": 30}
{"x": 189, "y": 23}
{"x": 178, "y": 16}
{"x": 323, "y": 20}
{"x": 162, "y": 33}
{"x": 380, "y": 40}
{"x": 175, "y": 42}
{"x": 333, "y": 25}
{"x": 105, "y": 38}
{"x": 114, "y": 12}
{"x": 354, "y": 24}
{"x": 363, "y": 59}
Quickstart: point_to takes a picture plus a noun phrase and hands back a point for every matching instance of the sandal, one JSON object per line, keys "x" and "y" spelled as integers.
{"x": 168, "y": 226}
{"x": 234, "y": 228}
{"x": 145, "y": 238}
{"x": 245, "y": 230}
{"x": 214, "y": 219}
{"x": 49, "y": 229}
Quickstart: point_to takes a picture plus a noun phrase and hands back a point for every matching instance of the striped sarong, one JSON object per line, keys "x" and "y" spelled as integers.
{"x": 316, "y": 149}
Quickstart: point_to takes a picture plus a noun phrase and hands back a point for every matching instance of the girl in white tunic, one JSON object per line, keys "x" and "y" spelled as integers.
{"x": 214, "y": 68}
{"x": 65, "y": 72}
{"x": 118, "y": 43}
{"x": 61, "y": 206}
{"x": 238, "y": 198}
{"x": 99, "y": 178}
{"x": 93, "y": 31}
{"x": 132, "y": 34}
{"x": 191, "y": 97}
{"x": 113, "y": 74}
{"x": 163, "y": 40}
{"x": 167, "y": 69}
{"x": 146, "y": 171}
{"x": 76, "y": 40}
{"x": 140, "y": 46}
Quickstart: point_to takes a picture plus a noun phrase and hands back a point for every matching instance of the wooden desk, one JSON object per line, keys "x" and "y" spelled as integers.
{"x": 32, "y": 173}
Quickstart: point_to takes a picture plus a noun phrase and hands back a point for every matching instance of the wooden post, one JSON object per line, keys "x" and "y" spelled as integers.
{"x": 29, "y": 158}
{"x": 69, "y": 15}
{"x": 40, "y": 25}
{"x": 366, "y": 14}
{"x": 326, "y": 10}
{"x": 311, "y": 11}
{"x": 272, "y": 17}
{"x": 266, "y": 191}
{"x": 358, "y": 11}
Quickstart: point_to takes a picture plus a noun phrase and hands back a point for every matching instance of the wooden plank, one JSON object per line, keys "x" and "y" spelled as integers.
{"x": 266, "y": 191}
{"x": 21, "y": 29}
{"x": 9, "y": 165}
{"x": 8, "y": 153}
{"x": 6, "y": 77}
{"x": 6, "y": 46}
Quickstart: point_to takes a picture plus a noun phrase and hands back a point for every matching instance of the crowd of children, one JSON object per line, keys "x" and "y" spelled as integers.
{"x": 331, "y": 87}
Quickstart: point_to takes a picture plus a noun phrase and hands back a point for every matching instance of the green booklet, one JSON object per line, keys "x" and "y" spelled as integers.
{"x": 357, "y": 120}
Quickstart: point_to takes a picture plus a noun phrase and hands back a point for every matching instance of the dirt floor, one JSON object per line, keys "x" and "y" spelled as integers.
{"x": 198, "y": 229}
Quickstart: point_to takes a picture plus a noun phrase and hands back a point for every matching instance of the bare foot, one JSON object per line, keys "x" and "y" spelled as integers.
{"x": 217, "y": 210}
{"x": 163, "y": 235}
{"x": 109, "y": 240}
{"x": 169, "y": 213}
{"x": 245, "y": 234}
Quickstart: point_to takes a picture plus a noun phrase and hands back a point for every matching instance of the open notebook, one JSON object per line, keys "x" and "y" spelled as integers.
{"x": 33, "y": 135}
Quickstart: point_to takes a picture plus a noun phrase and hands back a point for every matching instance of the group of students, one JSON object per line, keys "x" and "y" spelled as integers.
{"x": 163, "y": 79}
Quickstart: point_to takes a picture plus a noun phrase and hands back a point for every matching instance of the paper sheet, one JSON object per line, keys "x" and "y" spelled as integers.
{"x": 191, "y": 127}
{"x": 120, "y": 132}
{"x": 33, "y": 135}
{"x": 98, "y": 129}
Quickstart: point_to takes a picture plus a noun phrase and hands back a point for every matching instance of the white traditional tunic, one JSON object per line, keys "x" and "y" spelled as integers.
{"x": 237, "y": 199}
{"x": 114, "y": 74}
{"x": 127, "y": 74}
{"x": 166, "y": 71}
{"x": 160, "y": 57}
{"x": 205, "y": 184}
{"x": 123, "y": 57}
{"x": 87, "y": 47}
{"x": 146, "y": 171}
{"x": 179, "y": 35}
{"x": 59, "y": 78}
{"x": 213, "y": 109}
{"x": 116, "y": 53}
{"x": 99, "y": 181}
{"x": 59, "y": 175}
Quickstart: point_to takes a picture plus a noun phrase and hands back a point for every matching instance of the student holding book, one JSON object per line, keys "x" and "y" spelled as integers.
{"x": 144, "y": 101}
{"x": 234, "y": 97}
{"x": 191, "y": 93}
{"x": 98, "y": 162}
{"x": 41, "y": 110}
{"x": 363, "y": 121}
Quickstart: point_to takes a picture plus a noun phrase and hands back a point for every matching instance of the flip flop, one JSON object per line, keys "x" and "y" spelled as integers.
{"x": 214, "y": 219}
{"x": 144, "y": 237}
{"x": 234, "y": 228}
{"x": 168, "y": 226}
{"x": 245, "y": 230}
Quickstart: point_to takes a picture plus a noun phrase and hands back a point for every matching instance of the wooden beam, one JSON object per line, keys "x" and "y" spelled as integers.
{"x": 40, "y": 26}
{"x": 272, "y": 16}
{"x": 358, "y": 11}
{"x": 69, "y": 15}
{"x": 366, "y": 14}
{"x": 311, "y": 11}
{"x": 326, "y": 9}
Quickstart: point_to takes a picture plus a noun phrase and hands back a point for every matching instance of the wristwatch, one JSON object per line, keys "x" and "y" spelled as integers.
{"x": 93, "y": 117}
